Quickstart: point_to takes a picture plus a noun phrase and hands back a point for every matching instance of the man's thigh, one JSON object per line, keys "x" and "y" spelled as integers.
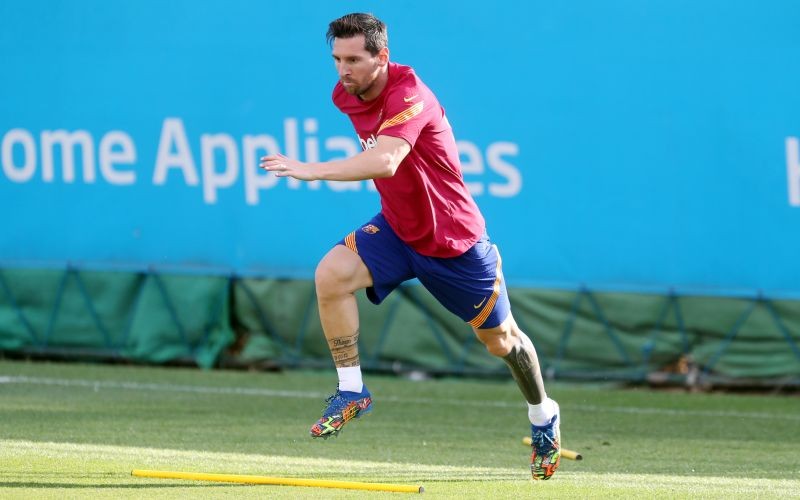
{"x": 471, "y": 286}
{"x": 383, "y": 253}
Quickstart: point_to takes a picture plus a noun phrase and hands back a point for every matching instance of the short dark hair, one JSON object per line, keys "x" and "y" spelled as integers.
{"x": 374, "y": 30}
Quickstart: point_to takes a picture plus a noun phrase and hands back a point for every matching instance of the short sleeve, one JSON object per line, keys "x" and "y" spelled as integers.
{"x": 407, "y": 111}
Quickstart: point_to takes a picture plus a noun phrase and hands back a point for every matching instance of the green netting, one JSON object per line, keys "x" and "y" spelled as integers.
{"x": 137, "y": 316}
{"x": 156, "y": 318}
{"x": 576, "y": 333}
{"x": 409, "y": 328}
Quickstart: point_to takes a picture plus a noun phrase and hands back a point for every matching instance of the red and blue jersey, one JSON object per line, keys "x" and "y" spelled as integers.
{"x": 426, "y": 202}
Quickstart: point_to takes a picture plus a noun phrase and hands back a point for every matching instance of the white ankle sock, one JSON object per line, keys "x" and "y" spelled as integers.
{"x": 350, "y": 379}
{"x": 542, "y": 413}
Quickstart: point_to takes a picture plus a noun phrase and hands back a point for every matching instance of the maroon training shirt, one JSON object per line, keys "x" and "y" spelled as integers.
{"x": 426, "y": 201}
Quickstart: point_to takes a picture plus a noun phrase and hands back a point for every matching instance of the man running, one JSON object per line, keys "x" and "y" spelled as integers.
{"x": 428, "y": 228}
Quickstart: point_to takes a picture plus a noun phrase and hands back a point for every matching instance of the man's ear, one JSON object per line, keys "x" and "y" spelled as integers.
{"x": 383, "y": 56}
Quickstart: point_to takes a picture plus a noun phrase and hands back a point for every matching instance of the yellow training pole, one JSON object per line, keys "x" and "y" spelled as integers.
{"x": 572, "y": 455}
{"x": 282, "y": 481}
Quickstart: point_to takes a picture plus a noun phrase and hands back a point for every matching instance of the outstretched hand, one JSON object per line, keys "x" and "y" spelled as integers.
{"x": 283, "y": 166}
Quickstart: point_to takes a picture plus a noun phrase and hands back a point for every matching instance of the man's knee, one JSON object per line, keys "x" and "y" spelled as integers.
{"x": 330, "y": 279}
{"x": 340, "y": 272}
{"x": 500, "y": 339}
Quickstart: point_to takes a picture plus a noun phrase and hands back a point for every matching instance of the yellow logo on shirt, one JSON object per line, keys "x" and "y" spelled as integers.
{"x": 403, "y": 116}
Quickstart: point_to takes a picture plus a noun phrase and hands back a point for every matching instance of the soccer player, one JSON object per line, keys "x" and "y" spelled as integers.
{"x": 429, "y": 228}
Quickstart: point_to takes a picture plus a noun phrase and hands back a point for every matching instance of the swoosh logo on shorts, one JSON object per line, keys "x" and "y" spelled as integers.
{"x": 479, "y": 303}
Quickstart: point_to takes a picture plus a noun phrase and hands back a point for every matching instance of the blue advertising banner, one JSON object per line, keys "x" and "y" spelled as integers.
{"x": 621, "y": 145}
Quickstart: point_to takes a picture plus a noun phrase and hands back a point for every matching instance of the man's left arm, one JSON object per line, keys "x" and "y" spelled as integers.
{"x": 375, "y": 163}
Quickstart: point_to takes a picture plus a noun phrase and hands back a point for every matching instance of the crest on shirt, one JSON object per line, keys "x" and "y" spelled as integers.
{"x": 370, "y": 229}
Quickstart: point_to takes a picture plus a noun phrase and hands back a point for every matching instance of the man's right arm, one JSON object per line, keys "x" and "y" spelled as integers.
{"x": 375, "y": 163}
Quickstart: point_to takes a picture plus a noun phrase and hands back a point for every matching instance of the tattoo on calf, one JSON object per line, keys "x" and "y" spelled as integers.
{"x": 345, "y": 350}
{"x": 525, "y": 368}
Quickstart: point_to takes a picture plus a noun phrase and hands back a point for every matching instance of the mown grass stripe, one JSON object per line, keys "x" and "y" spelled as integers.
{"x": 250, "y": 391}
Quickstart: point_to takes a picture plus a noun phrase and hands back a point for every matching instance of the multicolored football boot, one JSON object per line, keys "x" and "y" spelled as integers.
{"x": 546, "y": 444}
{"x": 343, "y": 406}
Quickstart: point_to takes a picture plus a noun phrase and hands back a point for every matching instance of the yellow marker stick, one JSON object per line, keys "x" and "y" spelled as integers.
{"x": 572, "y": 455}
{"x": 282, "y": 481}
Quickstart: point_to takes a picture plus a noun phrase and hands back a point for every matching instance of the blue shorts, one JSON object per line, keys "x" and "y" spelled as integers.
{"x": 471, "y": 286}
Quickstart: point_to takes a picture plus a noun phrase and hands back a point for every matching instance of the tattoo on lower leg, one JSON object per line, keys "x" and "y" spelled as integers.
{"x": 344, "y": 350}
{"x": 524, "y": 367}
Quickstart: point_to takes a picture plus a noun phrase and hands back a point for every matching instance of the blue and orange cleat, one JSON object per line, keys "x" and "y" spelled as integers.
{"x": 546, "y": 444}
{"x": 343, "y": 406}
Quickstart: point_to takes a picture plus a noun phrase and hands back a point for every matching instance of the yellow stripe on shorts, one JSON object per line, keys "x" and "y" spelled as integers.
{"x": 350, "y": 242}
{"x": 480, "y": 319}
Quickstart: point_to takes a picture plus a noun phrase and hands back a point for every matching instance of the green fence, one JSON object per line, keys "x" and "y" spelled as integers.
{"x": 147, "y": 317}
{"x": 156, "y": 317}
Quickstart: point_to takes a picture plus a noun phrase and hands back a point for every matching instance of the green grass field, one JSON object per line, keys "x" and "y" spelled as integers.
{"x": 70, "y": 430}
